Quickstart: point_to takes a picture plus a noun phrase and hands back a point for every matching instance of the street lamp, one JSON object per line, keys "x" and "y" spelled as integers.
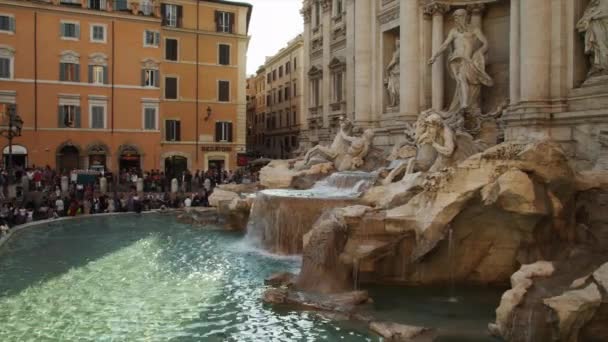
{"x": 11, "y": 127}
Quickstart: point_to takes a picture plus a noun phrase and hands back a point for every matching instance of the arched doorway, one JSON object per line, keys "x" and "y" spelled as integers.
{"x": 97, "y": 154}
{"x": 129, "y": 158}
{"x": 19, "y": 156}
{"x": 68, "y": 158}
{"x": 175, "y": 166}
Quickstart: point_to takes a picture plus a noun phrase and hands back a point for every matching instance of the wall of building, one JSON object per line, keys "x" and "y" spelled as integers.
{"x": 37, "y": 91}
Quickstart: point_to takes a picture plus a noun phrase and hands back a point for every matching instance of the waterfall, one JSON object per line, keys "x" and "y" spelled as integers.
{"x": 356, "y": 274}
{"x": 453, "y": 297}
{"x": 280, "y": 217}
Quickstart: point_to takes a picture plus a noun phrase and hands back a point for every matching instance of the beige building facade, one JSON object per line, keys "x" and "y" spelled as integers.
{"x": 275, "y": 128}
{"x": 536, "y": 66}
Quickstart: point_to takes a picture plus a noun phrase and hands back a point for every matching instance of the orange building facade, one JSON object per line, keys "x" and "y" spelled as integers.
{"x": 125, "y": 84}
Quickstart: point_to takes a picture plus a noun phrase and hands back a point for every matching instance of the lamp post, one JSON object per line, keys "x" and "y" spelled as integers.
{"x": 11, "y": 128}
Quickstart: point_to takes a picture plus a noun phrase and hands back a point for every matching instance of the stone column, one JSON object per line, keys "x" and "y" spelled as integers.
{"x": 535, "y": 80}
{"x": 427, "y": 52}
{"x": 305, "y": 84}
{"x": 438, "y": 80}
{"x": 514, "y": 61}
{"x": 326, "y": 81}
{"x": 363, "y": 57}
{"x": 409, "y": 57}
{"x": 476, "y": 12}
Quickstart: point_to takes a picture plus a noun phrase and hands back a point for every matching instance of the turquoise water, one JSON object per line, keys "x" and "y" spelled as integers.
{"x": 145, "y": 278}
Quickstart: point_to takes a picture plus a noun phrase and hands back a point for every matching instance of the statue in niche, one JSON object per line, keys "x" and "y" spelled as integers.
{"x": 338, "y": 148}
{"x": 594, "y": 26}
{"x": 465, "y": 64}
{"x": 392, "y": 77}
{"x": 358, "y": 150}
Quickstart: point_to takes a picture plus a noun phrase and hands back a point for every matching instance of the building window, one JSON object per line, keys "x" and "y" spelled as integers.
{"x": 287, "y": 68}
{"x": 317, "y": 14}
{"x": 274, "y": 74}
{"x": 150, "y": 118}
{"x": 224, "y": 21}
{"x": 224, "y": 54}
{"x": 295, "y": 63}
{"x": 280, "y": 71}
{"x": 98, "y": 74}
{"x": 149, "y": 78}
{"x": 287, "y": 93}
{"x": 171, "y": 49}
{"x": 315, "y": 92}
{"x": 171, "y": 88}
{"x": 97, "y": 4}
{"x": 151, "y": 38}
{"x": 338, "y": 87}
{"x": 69, "y": 72}
{"x": 121, "y": 5}
{"x": 5, "y": 67}
{"x": 98, "y": 33}
{"x": 268, "y": 100}
{"x": 98, "y": 116}
{"x": 268, "y": 78}
{"x": 280, "y": 94}
{"x": 223, "y": 131}
{"x": 70, "y": 30}
{"x": 172, "y": 15}
{"x": 69, "y": 116}
{"x": 223, "y": 89}
{"x": 173, "y": 130}
{"x": 7, "y": 24}
{"x": 338, "y": 7}
{"x": 295, "y": 90}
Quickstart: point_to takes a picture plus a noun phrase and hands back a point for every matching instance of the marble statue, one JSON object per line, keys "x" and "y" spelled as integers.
{"x": 594, "y": 26}
{"x": 466, "y": 64}
{"x": 392, "y": 77}
{"x": 338, "y": 147}
{"x": 401, "y": 155}
{"x": 358, "y": 150}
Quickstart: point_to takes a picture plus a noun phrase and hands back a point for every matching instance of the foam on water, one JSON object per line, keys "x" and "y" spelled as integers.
{"x": 347, "y": 184}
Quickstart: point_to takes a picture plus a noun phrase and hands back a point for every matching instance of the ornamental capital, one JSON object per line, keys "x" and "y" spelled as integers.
{"x": 436, "y": 9}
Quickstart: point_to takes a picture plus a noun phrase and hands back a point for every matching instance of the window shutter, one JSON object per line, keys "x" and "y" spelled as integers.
{"x": 168, "y": 132}
{"x": 163, "y": 14}
{"x": 217, "y": 21}
{"x": 62, "y": 71}
{"x": 77, "y": 117}
{"x": 178, "y": 133}
{"x": 61, "y": 30}
{"x": 157, "y": 38}
{"x": 60, "y": 117}
{"x": 77, "y": 72}
{"x": 156, "y": 78}
{"x": 143, "y": 77}
{"x": 179, "y": 16}
{"x": 11, "y": 24}
{"x": 90, "y": 74}
{"x": 105, "y": 75}
{"x": 229, "y": 124}
{"x": 231, "y": 22}
{"x": 218, "y": 131}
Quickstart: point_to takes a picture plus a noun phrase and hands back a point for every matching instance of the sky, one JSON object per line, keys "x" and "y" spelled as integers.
{"x": 273, "y": 24}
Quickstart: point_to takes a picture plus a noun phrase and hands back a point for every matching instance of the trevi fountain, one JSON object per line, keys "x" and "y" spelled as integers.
{"x": 468, "y": 195}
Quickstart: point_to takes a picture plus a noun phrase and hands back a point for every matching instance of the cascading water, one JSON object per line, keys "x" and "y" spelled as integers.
{"x": 280, "y": 217}
{"x": 453, "y": 297}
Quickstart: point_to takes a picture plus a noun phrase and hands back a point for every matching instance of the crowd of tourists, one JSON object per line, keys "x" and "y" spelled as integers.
{"x": 40, "y": 196}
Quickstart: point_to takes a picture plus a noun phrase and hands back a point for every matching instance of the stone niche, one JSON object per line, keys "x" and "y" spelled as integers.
{"x": 495, "y": 19}
{"x": 389, "y": 44}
